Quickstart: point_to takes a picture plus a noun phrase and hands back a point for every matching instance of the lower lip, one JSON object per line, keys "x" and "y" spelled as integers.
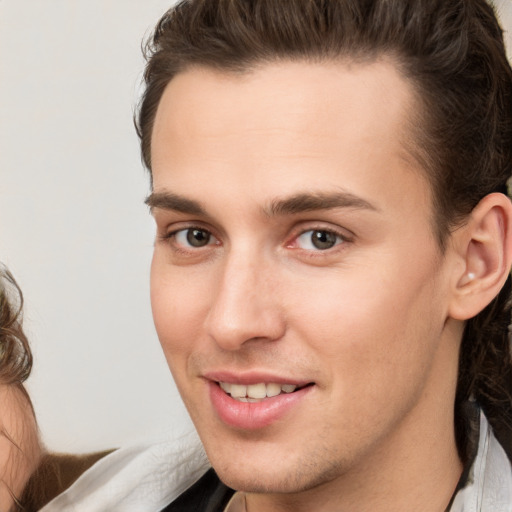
{"x": 254, "y": 415}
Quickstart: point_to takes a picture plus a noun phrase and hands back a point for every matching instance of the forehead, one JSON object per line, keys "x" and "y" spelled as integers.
{"x": 303, "y": 124}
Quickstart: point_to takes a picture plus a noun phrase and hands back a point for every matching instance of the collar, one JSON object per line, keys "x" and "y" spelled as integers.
{"x": 488, "y": 482}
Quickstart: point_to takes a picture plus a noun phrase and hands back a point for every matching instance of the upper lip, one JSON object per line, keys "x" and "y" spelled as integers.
{"x": 253, "y": 377}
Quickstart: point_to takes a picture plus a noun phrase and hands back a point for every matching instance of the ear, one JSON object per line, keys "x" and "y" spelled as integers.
{"x": 484, "y": 252}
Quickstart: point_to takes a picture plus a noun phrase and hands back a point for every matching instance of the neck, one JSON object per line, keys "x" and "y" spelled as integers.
{"x": 424, "y": 480}
{"x": 429, "y": 489}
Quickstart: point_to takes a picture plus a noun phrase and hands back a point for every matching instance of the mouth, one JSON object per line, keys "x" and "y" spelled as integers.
{"x": 254, "y": 393}
{"x": 252, "y": 402}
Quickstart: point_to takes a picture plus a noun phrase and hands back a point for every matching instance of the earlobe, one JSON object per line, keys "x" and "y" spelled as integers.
{"x": 485, "y": 246}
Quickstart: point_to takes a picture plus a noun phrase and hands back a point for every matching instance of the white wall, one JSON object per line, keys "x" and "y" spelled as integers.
{"x": 504, "y": 8}
{"x": 73, "y": 227}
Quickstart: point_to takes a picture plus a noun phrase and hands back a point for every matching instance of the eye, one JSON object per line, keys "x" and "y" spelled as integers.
{"x": 193, "y": 237}
{"x": 318, "y": 239}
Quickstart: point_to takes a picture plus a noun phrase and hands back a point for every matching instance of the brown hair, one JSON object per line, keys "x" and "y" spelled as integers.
{"x": 18, "y": 426}
{"x": 450, "y": 50}
{"x": 15, "y": 353}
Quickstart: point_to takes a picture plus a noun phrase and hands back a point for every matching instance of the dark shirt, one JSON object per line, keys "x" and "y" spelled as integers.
{"x": 208, "y": 494}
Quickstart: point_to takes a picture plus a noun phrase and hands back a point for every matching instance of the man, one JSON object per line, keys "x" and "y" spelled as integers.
{"x": 330, "y": 281}
{"x": 326, "y": 188}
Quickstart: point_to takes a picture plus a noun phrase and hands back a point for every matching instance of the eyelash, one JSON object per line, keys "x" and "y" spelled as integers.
{"x": 171, "y": 238}
{"x": 341, "y": 240}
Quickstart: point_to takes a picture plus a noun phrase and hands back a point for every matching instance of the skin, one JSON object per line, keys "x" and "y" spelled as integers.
{"x": 367, "y": 321}
{"x": 20, "y": 450}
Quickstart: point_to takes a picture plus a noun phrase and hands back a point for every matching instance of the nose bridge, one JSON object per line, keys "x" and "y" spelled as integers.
{"x": 244, "y": 305}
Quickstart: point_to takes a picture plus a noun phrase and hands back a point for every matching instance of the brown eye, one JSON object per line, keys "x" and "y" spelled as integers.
{"x": 318, "y": 239}
{"x": 323, "y": 239}
{"x": 197, "y": 237}
{"x": 192, "y": 238}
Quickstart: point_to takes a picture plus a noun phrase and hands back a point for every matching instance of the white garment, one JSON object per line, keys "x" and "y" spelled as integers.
{"x": 489, "y": 487}
{"x": 143, "y": 478}
{"x": 147, "y": 478}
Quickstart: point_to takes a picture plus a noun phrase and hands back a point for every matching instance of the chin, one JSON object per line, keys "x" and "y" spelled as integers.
{"x": 261, "y": 483}
{"x": 266, "y": 476}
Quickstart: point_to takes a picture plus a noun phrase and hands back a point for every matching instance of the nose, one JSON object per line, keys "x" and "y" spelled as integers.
{"x": 245, "y": 305}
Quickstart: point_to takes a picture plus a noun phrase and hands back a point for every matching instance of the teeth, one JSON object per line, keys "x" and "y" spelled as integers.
{"x": 273, "y": 389}
{"x": 256, "y": 392}
{"x": 226, "y": 387}
{"x": 238, "y": 391}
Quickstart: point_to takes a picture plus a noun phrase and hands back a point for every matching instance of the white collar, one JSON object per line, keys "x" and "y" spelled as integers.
{"x": 489, "y": 485}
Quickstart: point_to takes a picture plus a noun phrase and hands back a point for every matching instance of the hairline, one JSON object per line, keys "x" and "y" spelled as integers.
{"x": 413, "y": 136}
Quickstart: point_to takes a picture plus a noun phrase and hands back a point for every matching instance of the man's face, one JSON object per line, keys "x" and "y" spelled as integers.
{"x": 295, "y": 258}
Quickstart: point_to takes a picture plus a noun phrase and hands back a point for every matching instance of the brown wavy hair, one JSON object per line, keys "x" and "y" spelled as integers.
{"x": 17, "y": 420}
{"x": 452, "y": 53}
{"x": 15, "y": 354}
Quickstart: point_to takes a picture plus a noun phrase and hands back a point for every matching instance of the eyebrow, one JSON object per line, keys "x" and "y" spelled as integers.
{"x": 297, "y": 203}
{"x": 307, "y": 202}
{"x": 169, "y": 201}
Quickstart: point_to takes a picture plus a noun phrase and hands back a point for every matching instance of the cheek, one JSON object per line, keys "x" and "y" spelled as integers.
{"x": 178, "y": 307}
{"x": 374, "y": 345}
{"x": 372, "y": 323}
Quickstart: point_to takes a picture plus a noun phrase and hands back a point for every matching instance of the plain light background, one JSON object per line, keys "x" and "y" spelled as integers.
{"x": 73, "y": 226}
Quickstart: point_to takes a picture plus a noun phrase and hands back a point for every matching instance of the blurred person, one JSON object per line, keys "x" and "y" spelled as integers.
{"x": 20, "y": 448}
{"x": 30, "y": 476}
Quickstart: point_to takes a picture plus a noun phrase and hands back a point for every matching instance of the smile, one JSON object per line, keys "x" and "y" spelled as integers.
{"x": 256, "y": 392}
{"x": 255, "y": 405}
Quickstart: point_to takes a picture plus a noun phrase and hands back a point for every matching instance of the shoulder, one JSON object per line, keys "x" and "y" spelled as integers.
{"x": 141, "y": 477}
{"x": 54, "y": 474}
